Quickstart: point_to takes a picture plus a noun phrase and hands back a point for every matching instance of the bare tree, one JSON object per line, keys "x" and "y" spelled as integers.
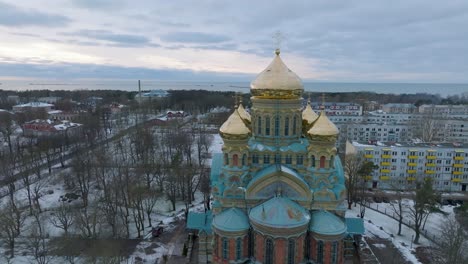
{"x": 353, "y": 163}
{"x": 11, "y": 221}
{"x": 398, "y": 208}
{"x": 426, "y": 125}
{"x": 356, "y": 168}
{"x": 37, "y": 192}
{"x": 452, "y": 244}
{"x": 7, "y": 128}
{"x": 63, "y": 218}
{"x": 150, "y": 199}
{"x": 88, "y": 222}
{"x": 38, "y": 241}
{"x": 82, "y": 171}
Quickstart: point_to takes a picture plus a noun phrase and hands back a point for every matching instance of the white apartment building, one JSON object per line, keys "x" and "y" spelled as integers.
{"x": 401, "y": 165}
{"x": 399, "y": 108}
{"x": 338, "y": 109}
{"x": 450, "y": 111}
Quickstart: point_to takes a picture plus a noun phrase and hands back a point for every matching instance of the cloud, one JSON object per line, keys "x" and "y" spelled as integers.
{"x": 18, "y": 17}
{"x": 366, "y": 40}
{"x": 77, "y": 71}
{"x": 99, "y": 4}
{"x": 194, "y": 37}
{"x": 114, "y": 39}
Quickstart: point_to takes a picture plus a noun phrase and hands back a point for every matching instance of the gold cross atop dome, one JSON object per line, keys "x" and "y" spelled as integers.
{"x": 278, "y": 37}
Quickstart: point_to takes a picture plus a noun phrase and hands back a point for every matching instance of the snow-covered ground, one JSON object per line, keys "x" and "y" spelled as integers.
{"x": 379, "y": 225}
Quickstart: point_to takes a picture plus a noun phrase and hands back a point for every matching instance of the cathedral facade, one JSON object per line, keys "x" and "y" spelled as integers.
{"x": 278, "y": 186}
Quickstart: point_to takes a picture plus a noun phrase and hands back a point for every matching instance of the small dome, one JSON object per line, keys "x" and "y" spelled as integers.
{"x": 309, "y": 115}
{"x": 243, "y": 113}
{"x": 234, "y": 126}
{"x": 279, "y": 212}
{"x": 277, "y": 81}
{"x": 326, "y": 223}
{"x": 323, "y": 127}
{"x": 231, "y": 220}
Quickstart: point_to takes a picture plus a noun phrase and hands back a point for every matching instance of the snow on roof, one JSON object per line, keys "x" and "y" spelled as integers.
{"x": 54, "y": 112}
{"x": 34, "y": 104}
{"x": 357, "y": 144}
{"x": 65, "y": 125}
{"x": 219, "y": 109}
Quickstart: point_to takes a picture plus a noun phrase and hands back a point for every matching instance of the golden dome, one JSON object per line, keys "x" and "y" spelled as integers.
{"x": 243, "y": 113}
{"x": 234, "y": 126}
{"x": 323, "y": 127}
{"x": 277, "y": 81}
{"x": 309, "y": 115}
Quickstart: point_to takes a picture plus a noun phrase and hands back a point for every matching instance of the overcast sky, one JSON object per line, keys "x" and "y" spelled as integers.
{"x": 343, "y": 41}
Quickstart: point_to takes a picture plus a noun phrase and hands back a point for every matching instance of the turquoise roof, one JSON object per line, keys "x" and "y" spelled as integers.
{"x": 279, "y": 212}
{"x": 355, "y": 226}
{"x": 326, "y": 223}
{"x": 274, "y": 168}
{"x": 200, "y": 221}
{"x": 231, "y": 220}
{"x": 294, "y": 147}
{"x": 339, "y": 170}
{"x": 216, "y": 165}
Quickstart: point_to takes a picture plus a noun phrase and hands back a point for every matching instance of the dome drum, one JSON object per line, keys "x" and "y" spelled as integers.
{"x": 276, "y": 94}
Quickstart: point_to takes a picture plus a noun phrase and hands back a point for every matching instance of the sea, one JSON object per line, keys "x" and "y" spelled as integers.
{"x": 441, "y": 89}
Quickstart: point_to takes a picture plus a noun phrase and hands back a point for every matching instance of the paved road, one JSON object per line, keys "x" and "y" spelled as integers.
{"x": 385, "y": 251}
{"x": 176, "y": 244}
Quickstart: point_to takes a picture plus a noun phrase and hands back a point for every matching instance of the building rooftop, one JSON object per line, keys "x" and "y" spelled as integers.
{"x": 231, "y": 220}
{"x": 34, "y": 104}
{"x": 406, "y": 144}
{"x": 279, "y": 212}
{"x": 325, "y": 223}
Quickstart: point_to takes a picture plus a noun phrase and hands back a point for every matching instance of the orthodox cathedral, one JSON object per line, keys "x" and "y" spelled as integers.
{"x": 278, "y": 186}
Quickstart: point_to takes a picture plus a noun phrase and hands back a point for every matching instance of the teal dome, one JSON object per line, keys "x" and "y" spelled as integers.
{"x": 231, "y": 220}
{"x": 326, "y": 223}
{"x": 279, "y": 212}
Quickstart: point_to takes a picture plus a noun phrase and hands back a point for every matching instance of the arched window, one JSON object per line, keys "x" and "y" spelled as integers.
{"x": 294, "y": 125}
{"x": 235, "y": 160}
{"x": 255, "y": 158}
{"x": 277, "y": 158}
{"x": 226, "y": 159}
{"x": 331, "y": 161}
{"x": 291, "y": 251}
{"x": 225, "y": 248}
{"x": 251, "y": 243}
{"x": 268, "y": 251}
{"x": 267, "y": 126}
{"x": 313, "y": 161}
{"x": 244, "y": 160}
{"x": 322, "y": 162}
{"x": 286, "y": 126}
{"x": 238, "y": 248}
{"x": 259, "y": 125}
{"x": 277, "y": 124}
{"x": 299, "y": 159}
{"x": 334, "y": 253}
{"x": 320, "y": 252}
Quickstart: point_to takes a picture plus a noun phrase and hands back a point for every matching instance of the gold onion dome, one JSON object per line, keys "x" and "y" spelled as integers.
{"x": 323, "y": 127}
{"x": 234, "y": 127}
{"x": 309, "y": 115}
{"x": 243, "y": 113}
{"x": 277, "y": 81}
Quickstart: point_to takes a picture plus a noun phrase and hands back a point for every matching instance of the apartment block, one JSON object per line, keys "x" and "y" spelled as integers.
{"x": 402, "y": 165}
